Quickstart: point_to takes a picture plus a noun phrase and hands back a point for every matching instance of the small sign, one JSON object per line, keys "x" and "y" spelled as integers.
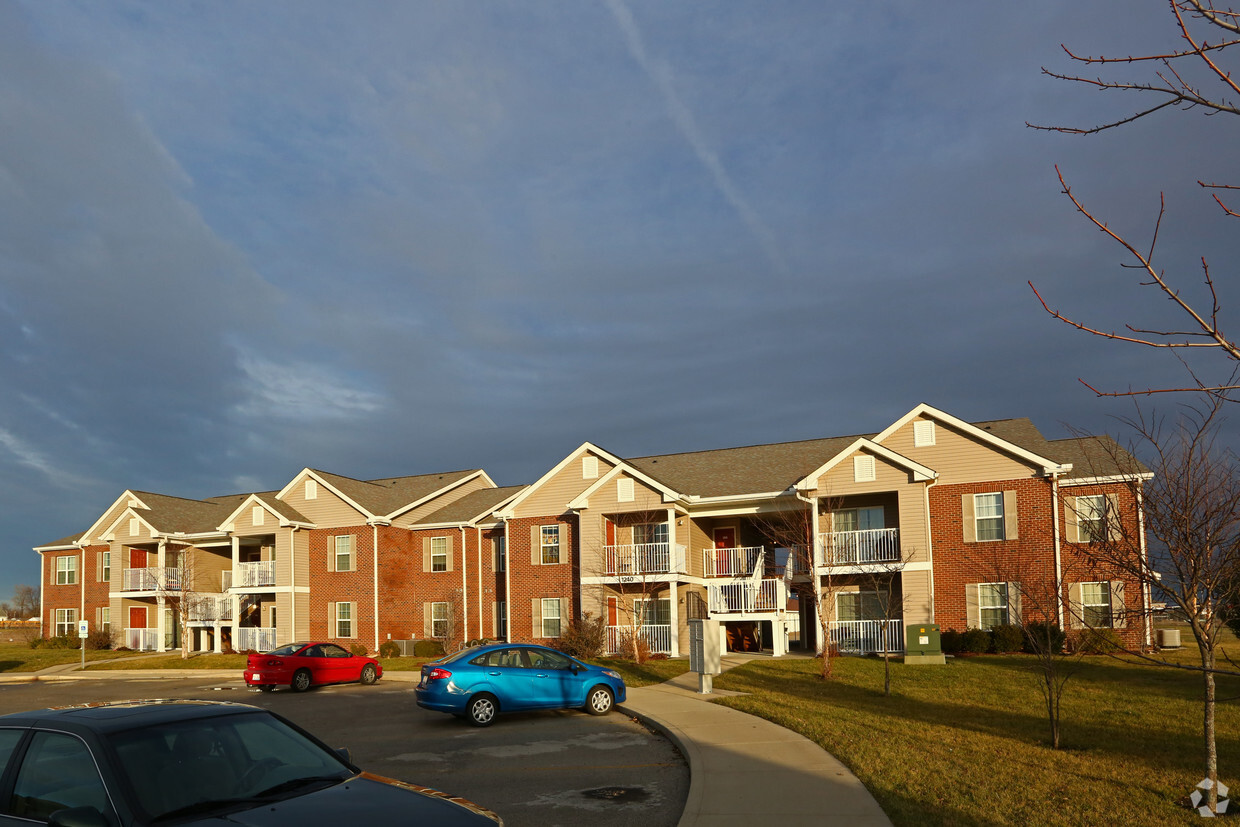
{"x": 923, "y": 640}
{"x": 83, "y": 628}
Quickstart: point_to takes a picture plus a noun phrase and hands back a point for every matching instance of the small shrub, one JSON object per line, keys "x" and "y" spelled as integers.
{"x": 950, "y": 642}
{"x": 36, "y": 643}
{"x": 660, "y": 656}
{"x": 428, "y": 649}
{"x": 1039, "y": 633}
{"x": 584, "y": 637}
{"x": 389, "y": 649}
{"x": 1007, "y": 637}
{"x": 99, "y": 639}
{"x": 633, "y": 647}
{"x": 359, "y": 649}
{"x": 975, "y": 642}
{"x": 60, "y": 642}
{"x": 1097, "y": 642}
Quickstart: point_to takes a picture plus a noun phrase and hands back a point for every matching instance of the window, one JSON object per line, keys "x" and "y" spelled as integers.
{"x": 649, "y": 533}
{"x": 343, "y": 559}
{"x": 624, "y": 490}
{"x": 654, "y": 612}
{"x": 988, "y": 513}
{"x": 439, "y": 620}
{"x": 501, "y": 619}
{"x": 923, "y": 433}
{"x": 850, "y": 606}
{"x": 344, "y": 620}
{"x": 66, "y": 622}
{"x": 312, "y": 490}
{"x": 1091, "y": 518}
{"x": 550, "y": 545}
{"x": 863, "y": 469}
{"x": 66, "y": 571}
{"x": 589, "y": 468}
{"x": 1096, "y": 605}
{"x": 501, "y": 553}
{"x": 551, "y": 617}
{"x": 992, "y": 604}
{"x": 105, "y": 566}
{"x": 104, "y": 620}
{"x": 439, "y": 555}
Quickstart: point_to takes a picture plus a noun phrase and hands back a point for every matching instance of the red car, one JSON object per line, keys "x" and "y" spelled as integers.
{"x": 306, "y": 664}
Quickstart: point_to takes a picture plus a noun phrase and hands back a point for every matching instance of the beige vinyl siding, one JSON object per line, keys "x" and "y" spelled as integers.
{"x": 434, "y": 504}
{"x": 603, "y": 502}
{"x": 918, "y": 602}
{"x": 283, "y": 558}
{"x": 302, "y": 620}
{"x": 555, "y": 494}
{"x": 959, "y": 458}
{"x": 209, "y": 566}
{"x": 299, "y": 553}
{"x": 142, "y": 536}
{"x": 327, "y": 510}
{"x": 698, "y": 540}
{"x": 284, "y": 605}
{"x": 111, "y": 517}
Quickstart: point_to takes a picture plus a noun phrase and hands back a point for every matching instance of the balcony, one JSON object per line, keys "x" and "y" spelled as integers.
{"x": 142, "y": 640}
{"x": 210, "y": 608}
{"x": 731, "y": 562}
{"x": 151, "y": 579}
{"x": 859, "y": 548}
{"x": 633, "y": 561}
{"x": 251, "y": 575}
{"x": 657, "y": 636}
{"x": 259, "y": 639}
{"x": 867, "y": 637}
{"x": 747, "y": 596}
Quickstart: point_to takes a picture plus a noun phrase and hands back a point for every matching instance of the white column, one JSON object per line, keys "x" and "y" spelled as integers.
{"x": 674, "y": 602}
{"x": 159, "y": 615}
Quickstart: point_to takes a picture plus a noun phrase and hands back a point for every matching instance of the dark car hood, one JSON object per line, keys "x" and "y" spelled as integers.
{"x": 362, "y": 800}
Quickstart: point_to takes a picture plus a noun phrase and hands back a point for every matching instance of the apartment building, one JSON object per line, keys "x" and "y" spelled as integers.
{"x": 930, "y": 520}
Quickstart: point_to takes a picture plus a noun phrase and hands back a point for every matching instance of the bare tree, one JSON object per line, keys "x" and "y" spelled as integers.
{"x": 1192, "y": 517}
{"x": 641, "y": 566}
{"x": 1196, "y": 75}
{"x": 25, "y": 603}
{"x": 881, "y": 577}
{"x": 176, "y": 585}
{"x": 792, "y": 527}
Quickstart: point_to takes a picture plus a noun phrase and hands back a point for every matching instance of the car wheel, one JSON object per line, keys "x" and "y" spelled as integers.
{"x": 301, "y": 680}
{"x": 483, "y": 709}
{"x": 266, "y": 687}
{"x": 599, "y": 701}
{"x": 368, "y": 674}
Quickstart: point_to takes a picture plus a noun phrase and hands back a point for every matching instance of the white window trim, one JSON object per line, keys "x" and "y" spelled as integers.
{"x": 351, "y": 620}
{"x": 543, "y": 545}
{"x": 977, "y": 518}
{"x": 557, "y": 617}
{"x": 336, "y": 552}
{"x": 66, "y": 570}
{"x": 982, "y": 608}
{"x": 435, "y": 607}
{"x": 1109, "y": 605}
{"x": 441, "y": 554}
{"x": 105, "y": 566}
{"x": 68, "y": 624}
{"x": 501, "y": 553}
{"x": 1087, "y": 535}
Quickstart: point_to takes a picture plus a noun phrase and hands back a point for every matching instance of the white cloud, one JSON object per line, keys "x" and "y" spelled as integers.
{"x": 301, "y": 391}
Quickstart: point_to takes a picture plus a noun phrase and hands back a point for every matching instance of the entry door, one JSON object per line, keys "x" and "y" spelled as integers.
{"x": 137, "y": 617}
{"x": 725, "y": 538}
{"x": 137, "y": 558}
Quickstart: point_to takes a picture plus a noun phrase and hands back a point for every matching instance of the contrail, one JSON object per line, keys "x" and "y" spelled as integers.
{"x": 661, "y": 74}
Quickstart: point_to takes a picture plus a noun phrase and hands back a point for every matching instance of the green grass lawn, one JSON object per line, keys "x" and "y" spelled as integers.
{"x": 967, "y": 743}
{"x": 16, "y": 656}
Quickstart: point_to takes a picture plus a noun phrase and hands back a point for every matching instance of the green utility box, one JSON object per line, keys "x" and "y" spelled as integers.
{"x": 922, "y": 644}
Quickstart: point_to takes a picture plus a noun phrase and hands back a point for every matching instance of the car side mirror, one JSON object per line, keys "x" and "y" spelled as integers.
{"x": 77, "y": 817}
{"x": 343, "y": 752}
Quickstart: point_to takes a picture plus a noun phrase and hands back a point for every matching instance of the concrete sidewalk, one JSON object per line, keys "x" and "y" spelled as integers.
{"x": 742, "y": 769}
{"x": 745, "y": 770}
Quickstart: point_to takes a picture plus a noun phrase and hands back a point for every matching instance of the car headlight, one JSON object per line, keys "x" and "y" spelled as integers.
{"x": 612, "y": 674}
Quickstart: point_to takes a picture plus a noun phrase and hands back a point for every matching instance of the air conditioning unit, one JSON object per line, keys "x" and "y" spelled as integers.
{"x": 1168, "y": 638}
{"x": 406, "y": 647}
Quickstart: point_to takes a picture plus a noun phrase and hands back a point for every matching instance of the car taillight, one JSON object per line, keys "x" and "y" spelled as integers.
{"x": 438, "y": 674}
{"x": 274, "y": 662}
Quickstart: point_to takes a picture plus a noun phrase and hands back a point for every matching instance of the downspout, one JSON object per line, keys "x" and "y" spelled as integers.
{"x": 82, "y": 582}
{"x": 42, "y": 588}
{"x": 374, "y": 528}
{"x": 464, "y": 588}
{"x": 292, "y": 572}
{"x": 930, "y": 549}
{"x": 1058, "y": 561}
{"x": 1146, "y": 610}
{"x": 478, "y": 537}
{"x": 507, "y": 586}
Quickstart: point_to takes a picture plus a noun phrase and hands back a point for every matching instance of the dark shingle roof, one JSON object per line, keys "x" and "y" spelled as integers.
{"x": 472, "y": 506}
{"x": 384, "y": 496}
{"x": 1096, "y": 456}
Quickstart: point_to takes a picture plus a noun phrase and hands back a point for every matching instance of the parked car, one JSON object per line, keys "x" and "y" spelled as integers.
{"x": 133, "y": 763}
{"x": 306, "y": 664}
{"x": 486, "y": 681}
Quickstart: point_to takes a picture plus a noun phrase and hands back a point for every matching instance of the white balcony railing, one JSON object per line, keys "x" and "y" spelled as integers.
{"x": 867, "y": 637}
{"x": 249, "y": 575}
{"x": 260, "y": 639}
{"x": 657, "y": 636}
{"x": 209, "y": 608}
{"x": 769, "y": 595}
{"x": 851, "y": 548}
{"x": 142, "y": 640}
{"x": 226, "y": 580}
{"x": 151, "y": 579}
{"x": 730, "y": 562}
{"x": 643, "y": 558}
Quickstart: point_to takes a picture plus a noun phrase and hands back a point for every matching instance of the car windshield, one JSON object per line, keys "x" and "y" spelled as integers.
{"x": 205, "y": 763}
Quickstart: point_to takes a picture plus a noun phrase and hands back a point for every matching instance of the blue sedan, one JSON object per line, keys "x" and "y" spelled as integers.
{"x": 486, "y": 681}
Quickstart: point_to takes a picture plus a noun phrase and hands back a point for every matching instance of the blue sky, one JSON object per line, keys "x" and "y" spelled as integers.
{"x": 238, "y": 239}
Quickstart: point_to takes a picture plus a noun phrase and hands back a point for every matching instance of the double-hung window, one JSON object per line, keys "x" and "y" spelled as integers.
{"x": 66, "y": 622}
{"x": 992, "y": 604}
{"x": 105, "y": 566}
{"x": 501, "y": 620}
{"x": 1096, "y": 605}
{"x": 988, "y": 512}
{"x": 439, "y": 620}
{"x": 549, "y": 542}
{"x": 105, "y": 618}
{"x": 551, "y": 617}
{"x": 501, "y": 553}
{"x": 343, "y": 553}
{"x": 344, "y": 620}
{"x": 66, "y": 570}
{"x": 1091, "y": 518}
{"x": 439, "y": 554}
